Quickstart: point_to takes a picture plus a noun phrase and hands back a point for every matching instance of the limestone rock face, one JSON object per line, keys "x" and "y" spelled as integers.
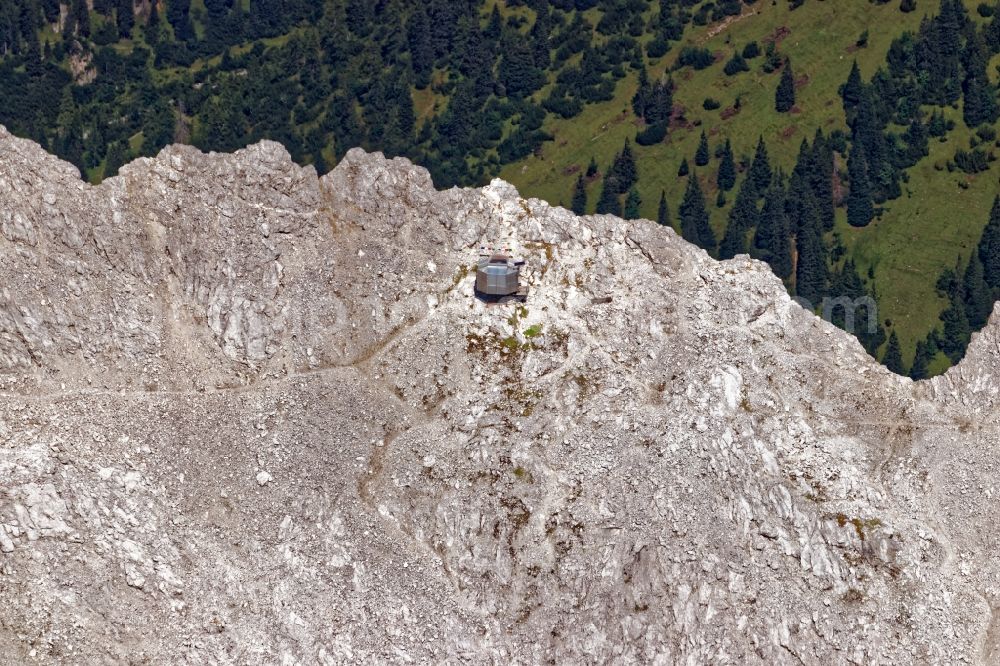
{"x": 252, "y": 416}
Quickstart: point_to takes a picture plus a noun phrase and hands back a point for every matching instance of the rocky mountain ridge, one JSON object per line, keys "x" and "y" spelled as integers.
{"x": 250, "y": 415}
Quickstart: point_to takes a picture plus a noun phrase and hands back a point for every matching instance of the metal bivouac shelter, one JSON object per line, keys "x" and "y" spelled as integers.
{"x": 498, "y": 277}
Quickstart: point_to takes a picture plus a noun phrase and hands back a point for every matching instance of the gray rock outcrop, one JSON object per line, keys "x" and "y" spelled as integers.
{"x": 252, "y": 416}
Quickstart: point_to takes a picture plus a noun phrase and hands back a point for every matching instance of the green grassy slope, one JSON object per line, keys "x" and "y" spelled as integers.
{"x": 919, "y": 235}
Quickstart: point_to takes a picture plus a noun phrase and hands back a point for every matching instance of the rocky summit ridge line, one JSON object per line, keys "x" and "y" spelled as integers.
{"x": 252, "y": 416}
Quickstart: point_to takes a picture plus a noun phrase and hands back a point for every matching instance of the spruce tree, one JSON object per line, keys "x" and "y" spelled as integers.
{"x": 421, "y": 47}
{"x": 608, "y": 203}
{"x": 980, "y": 96}
{"x": 693, "y": 216}
{"x": 820, "y": 174}
{"x": 991, "y": 33}
{"x": 893, "y": 357}
{"x": 976, "y": 294}
{"x": 742, "y": 218}
{"x": 735, "y": 65}
{"x": 860, "y": 210}
{"x": 956, "y": 331}
{"x": 921, "y": 360}
{"x": 179, "y": 16}
{"x": 541, "y": 38}
{"x": 77, "y": 20}
{"x": 907, "y": 6}
{"x": 125, "y": 18}
{"x": 663, "y": 211}
{"x": 810, "y": 269}
{"x": 942, "y": 37}
{"x": 579, "y": 205}
{"x": 989, "y": 247}
{"x": 760, "y": 168}
{"x": 642, "y": 94}
{"x": 623, "y": 169}
{"x": 495, "y": 25}
{"x": 684, "y": 169}
{"x": 632, "y": 205}
{"x": 517, "y": 71}
{"x": 852, "y": 92}
{"x": 726, "y": 178}
{"x": 868, "y": 132}
{"x": 773, "y": 239}
{"x": 592, "y": 168}
{"x": 784, "y": 95}
{"x": 802, "y": 176}
{"x": 153, "y": 31}
{"x": 916, "y": 138}
{"x": 701, "y": 155}
{"x": 660, "y": 104}
{"x": 847, "y": 283}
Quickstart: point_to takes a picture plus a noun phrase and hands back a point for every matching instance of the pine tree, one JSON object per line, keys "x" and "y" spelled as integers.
{"x": 684, "y": 169}
{"x": 726, "y": 178}
{"x": 632, "y": 205}
{"x": 860, "y": 210}
{"x": 760, "y": 167}
{"x": 579, "y": 205}
{"x": 693, "y": 216}
{"x": 989, "y": 247}
{"x": 701, "y": 155}
{"x": 784, "y": 96}
{"x": 663, "y": 211}
{"x": 893, "y": 357}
